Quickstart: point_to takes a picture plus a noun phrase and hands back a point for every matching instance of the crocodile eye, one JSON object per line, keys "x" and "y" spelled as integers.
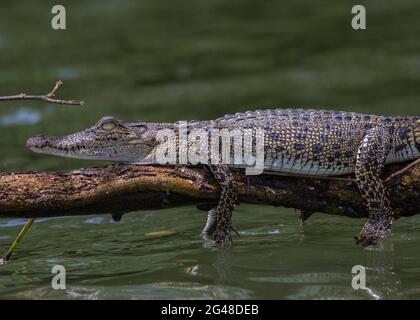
{"x": 141, "y": 128}
{"x": 108, "y": 126}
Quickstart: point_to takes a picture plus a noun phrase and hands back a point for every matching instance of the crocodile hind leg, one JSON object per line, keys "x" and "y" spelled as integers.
{"x": 371, "y": 158}
{"x": 219, "y": 219}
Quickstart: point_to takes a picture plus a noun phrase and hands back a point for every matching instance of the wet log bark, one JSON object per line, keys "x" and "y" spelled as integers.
{"x": 120, "y": 188}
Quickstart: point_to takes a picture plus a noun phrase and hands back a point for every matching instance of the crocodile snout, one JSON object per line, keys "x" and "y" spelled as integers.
{"x": 37, "y": 142}
{"x": 48, "y": 145}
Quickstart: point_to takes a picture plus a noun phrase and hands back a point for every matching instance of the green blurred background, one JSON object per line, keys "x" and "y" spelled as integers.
{"x": 199, "y": 59}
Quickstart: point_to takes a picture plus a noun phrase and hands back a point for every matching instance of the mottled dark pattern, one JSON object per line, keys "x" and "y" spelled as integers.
{"x": 297, "y": 141}
{"x": 321, "y": 142}
{"x": 330, "y": 143}
{"x": 371, "y": 157}
{"x": 223, "y": 211}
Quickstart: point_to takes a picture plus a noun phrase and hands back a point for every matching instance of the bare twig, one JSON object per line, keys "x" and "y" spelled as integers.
{"x": 47, "y": 98}
{"x": 403, "y": 170}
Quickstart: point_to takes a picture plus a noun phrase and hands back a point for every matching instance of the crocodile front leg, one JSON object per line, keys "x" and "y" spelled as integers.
{"x": 211, "y": 224}
{"x": 371, "y": 158}
{"x": 219, "y": 219}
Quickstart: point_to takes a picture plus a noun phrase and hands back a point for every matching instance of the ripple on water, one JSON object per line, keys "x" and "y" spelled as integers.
{"x": 95, "y": 220}
{"x": 21, "y": 222}
{"x": 328, "y": 292}
{"x": 164, "y": 290}
{"x": 13, "y": 223}
{"x": 309, "y": 277}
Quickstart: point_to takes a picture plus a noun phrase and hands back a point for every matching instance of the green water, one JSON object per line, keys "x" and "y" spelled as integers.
{"x": 176, "y": 60}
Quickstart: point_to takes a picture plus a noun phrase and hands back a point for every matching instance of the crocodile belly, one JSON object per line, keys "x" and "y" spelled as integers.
{"x": 307, "y": 167}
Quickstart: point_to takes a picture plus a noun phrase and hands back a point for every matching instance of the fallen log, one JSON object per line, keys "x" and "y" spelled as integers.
{"x": 119, "y": 188}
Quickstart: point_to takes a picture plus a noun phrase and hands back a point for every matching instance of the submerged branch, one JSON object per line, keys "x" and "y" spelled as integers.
{"x": 120, "y": 188}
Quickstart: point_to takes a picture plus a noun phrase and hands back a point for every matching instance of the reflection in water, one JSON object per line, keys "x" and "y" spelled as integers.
{"x": 382, "y": 281}
{"x": 200, "y": 61}
{"x": 223, "y": 265}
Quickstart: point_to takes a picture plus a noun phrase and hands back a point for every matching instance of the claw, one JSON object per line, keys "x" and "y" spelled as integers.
{"x": 375, "y": 228}
{"x": 221, "y": 235}
{"x": 234, "y": 230}
{"x": 365, "y": 241}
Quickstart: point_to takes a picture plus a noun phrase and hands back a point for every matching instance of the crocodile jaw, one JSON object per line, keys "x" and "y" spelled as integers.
{"x": 78, "y": 147}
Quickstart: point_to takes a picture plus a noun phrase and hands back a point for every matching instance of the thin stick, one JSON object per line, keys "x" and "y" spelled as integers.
{"x": 47, "y": 98}
{"x": 405, "y": 169}
{"x": 17, "y": 240}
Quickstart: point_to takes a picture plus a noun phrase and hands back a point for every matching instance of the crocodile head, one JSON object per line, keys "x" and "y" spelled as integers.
{"x": 109, "y": 139}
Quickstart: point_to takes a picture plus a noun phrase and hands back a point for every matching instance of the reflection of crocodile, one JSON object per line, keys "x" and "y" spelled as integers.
{"x": 306, "y": 142}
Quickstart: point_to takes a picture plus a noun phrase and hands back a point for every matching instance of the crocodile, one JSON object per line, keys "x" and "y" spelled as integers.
{"x": 296, "y": 141}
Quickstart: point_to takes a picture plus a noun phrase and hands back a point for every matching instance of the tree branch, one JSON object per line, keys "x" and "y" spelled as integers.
{"x": 49, "y": 97}
{"x": 120, "y": 188}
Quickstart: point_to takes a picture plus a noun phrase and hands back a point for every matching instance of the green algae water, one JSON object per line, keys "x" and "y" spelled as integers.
{"x": 178, "y": 60}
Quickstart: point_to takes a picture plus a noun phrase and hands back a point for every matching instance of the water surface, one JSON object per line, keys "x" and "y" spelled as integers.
{"x": 160, "y": 61}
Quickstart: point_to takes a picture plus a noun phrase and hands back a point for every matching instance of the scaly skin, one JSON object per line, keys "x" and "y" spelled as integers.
{"x": 304, "y": 142}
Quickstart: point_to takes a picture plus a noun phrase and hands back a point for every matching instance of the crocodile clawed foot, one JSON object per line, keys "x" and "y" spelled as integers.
{"x": 219, "y": 237}
{"x": 366, "y": 241}
{"x": 221, "y": 234}
{"x": 235, "y": 231}
{"x": 375, "y": 229}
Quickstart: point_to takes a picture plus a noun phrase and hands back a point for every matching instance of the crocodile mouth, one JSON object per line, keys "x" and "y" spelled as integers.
{"x": 53, "y": 145}
{"x": 70, "y": 147}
